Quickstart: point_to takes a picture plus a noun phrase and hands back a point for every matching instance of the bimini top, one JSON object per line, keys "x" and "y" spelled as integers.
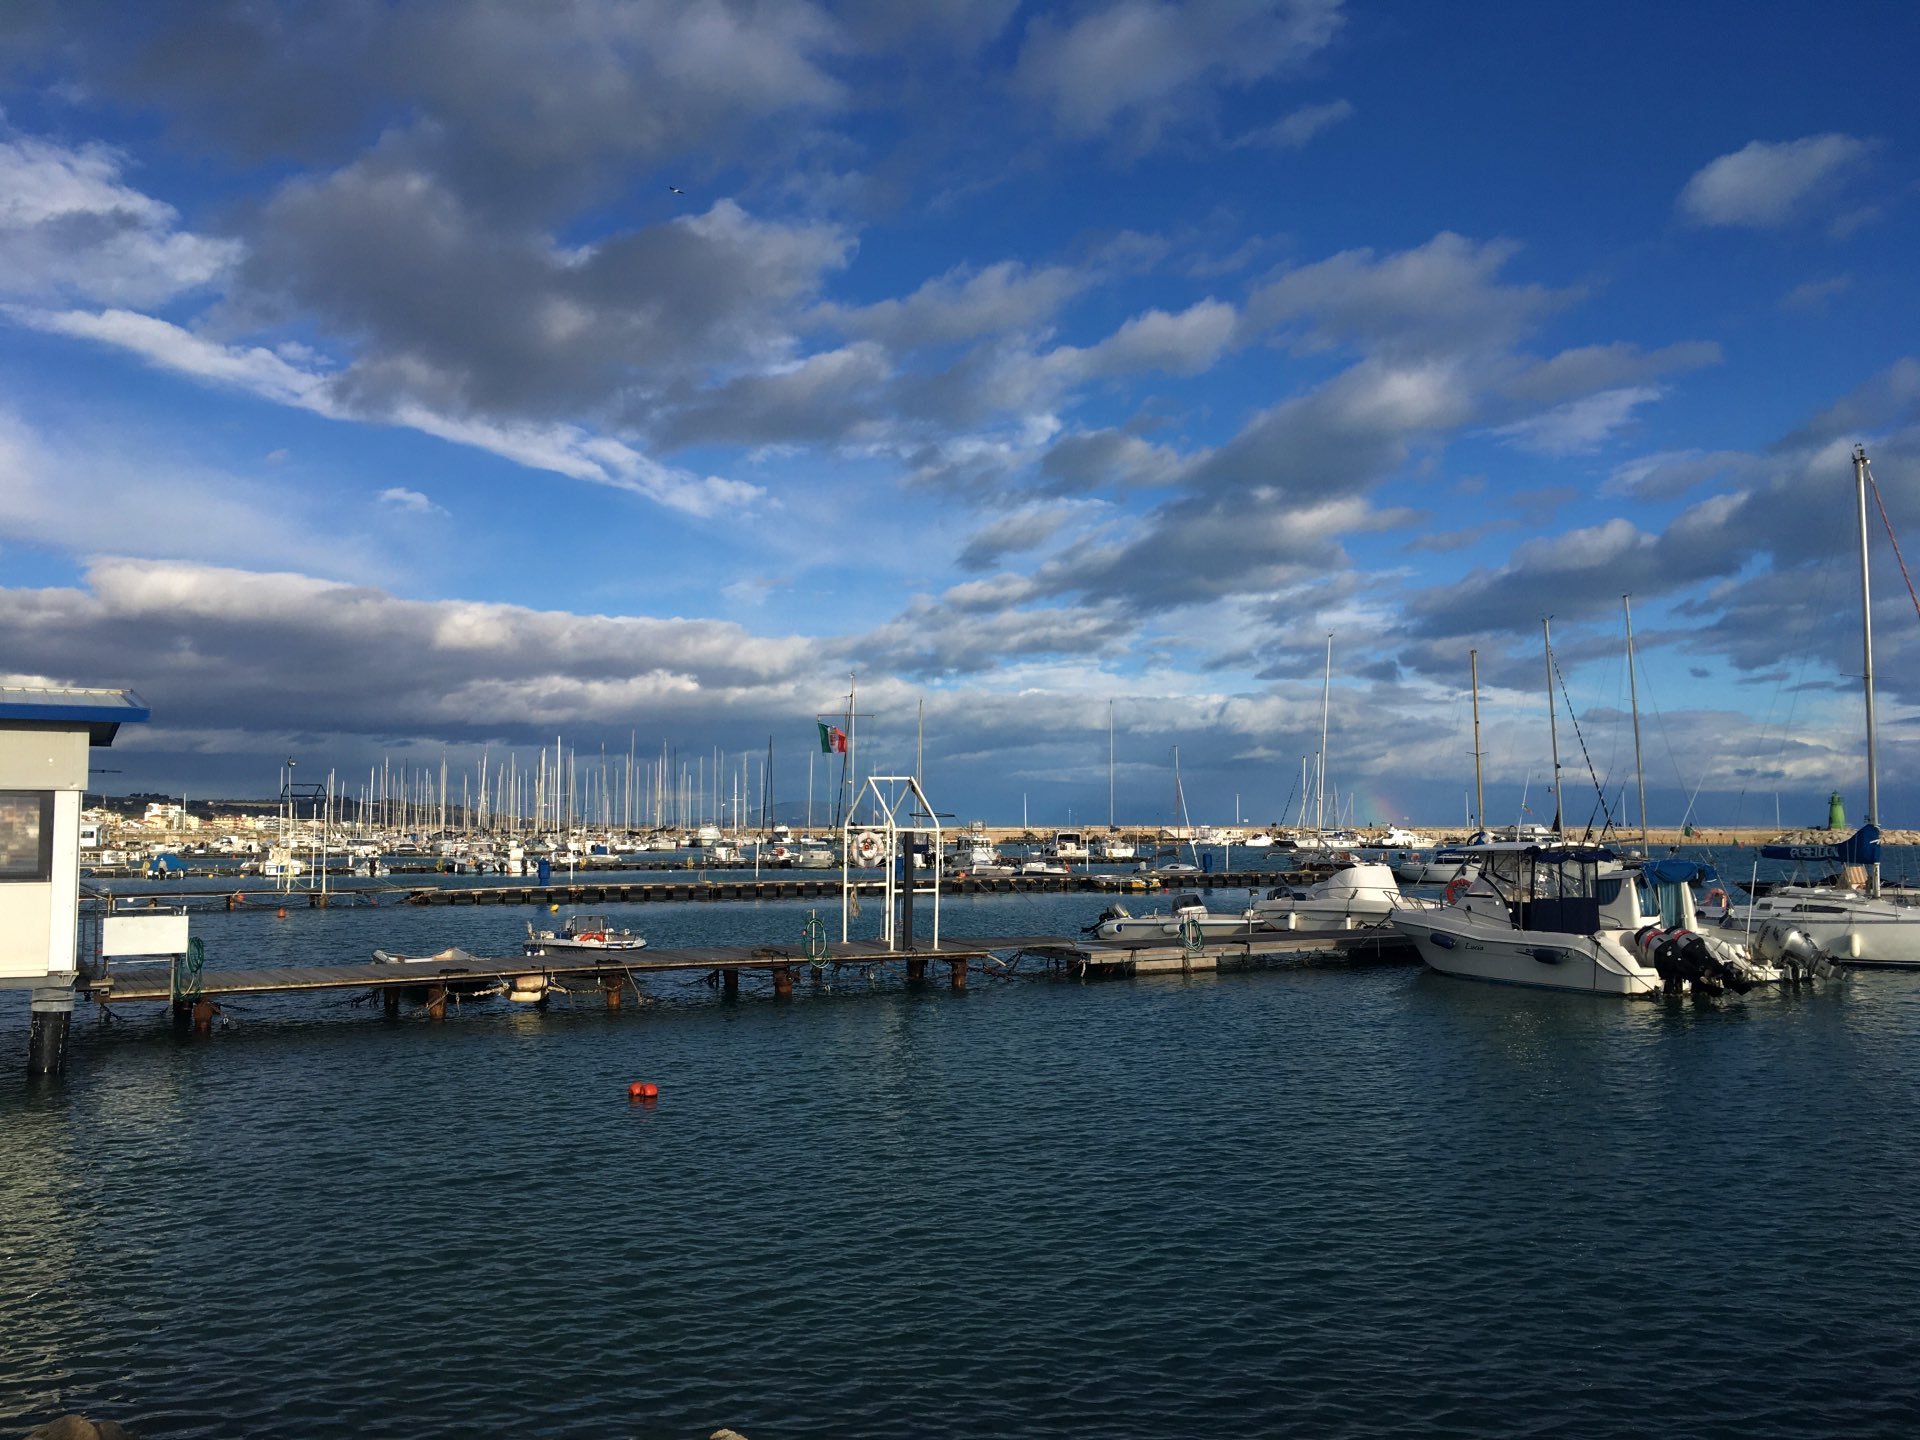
{"x": 100, "y": 713}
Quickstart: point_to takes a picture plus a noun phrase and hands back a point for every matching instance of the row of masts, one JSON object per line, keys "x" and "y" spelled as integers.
{"x": 561, "y": 790}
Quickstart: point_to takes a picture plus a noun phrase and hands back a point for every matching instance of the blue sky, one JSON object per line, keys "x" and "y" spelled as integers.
{"x": 398, "y": 380}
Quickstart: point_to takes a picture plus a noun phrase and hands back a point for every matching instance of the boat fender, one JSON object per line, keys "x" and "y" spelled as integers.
{"x": 1457, "y": 887}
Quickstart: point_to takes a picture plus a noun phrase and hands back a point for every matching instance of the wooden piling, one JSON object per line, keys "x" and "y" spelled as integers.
{"x": 957, "y": 972}
{"x": 437, "y": 1002}
{"x": 730, "y": 984}
{"x": 614, "y": 985}
{"x": 783, "y": 982}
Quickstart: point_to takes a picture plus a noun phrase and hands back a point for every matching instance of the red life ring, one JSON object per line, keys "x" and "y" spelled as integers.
{"x": 599, "y": 935}
{"x": 1715, "y": 897}
{"x": 1456, "y": 887}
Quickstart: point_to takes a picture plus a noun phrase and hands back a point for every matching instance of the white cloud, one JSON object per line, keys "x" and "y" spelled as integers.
{"x": 962, "y": 304}
{"x": 562, "y": 448}
{"x": 70, "y": 228}
{"x": 1580, "y": 426}
{"x": 1812, "y": 295}
{"x": 1766, "y": 185}
{"x": 1294, "y": 131}
{"x": 1443, "y": 295}
{"x": 408, "y": 502}
{"x": 1149, "y": 62}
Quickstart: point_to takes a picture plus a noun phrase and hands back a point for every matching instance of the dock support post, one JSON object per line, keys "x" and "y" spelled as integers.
{"x": 613, "y": 984}
{"x": 730, "y": 984}
{"x": 783, "y": 982}
{"x": 390, "y": 999}
{"x": 905, "y": 882}
{"x": 957, "y": 972}
{"x": 202, "y": 1017}
{"x": 437, "y": 1002}
{"x": 916, "y": 967}
{"x": 47, "y": 1030}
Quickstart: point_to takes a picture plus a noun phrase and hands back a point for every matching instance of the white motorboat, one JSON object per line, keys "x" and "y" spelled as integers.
{"x": 581, "y": 935}
{"x": 1110, "y": 848}
{"x": 1184, "y": 921}
{"x": 978, "y": 860}
{"x": 1356, "y": 895}
{"x": 812, "y": 855}
{"x": 1441, "y": 865}
{"x": 1572, "y": 917}
{"x": 1045, "y": 867}
{"x": 1068, "y": 845}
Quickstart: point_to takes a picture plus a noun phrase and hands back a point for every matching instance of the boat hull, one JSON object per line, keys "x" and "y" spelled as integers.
{"x": 1590, "y": 964}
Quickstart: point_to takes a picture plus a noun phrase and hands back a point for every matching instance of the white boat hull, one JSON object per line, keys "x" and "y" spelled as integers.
{"x": 1868, "y": 935}
{"x": 1598, "y": 964}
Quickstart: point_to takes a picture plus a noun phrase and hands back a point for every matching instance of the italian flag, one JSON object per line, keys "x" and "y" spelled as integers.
{"x": 832, "y": 739}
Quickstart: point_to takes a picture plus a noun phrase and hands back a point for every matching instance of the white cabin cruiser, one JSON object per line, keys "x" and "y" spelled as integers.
{"x": 581, "y": 935}
{"x": 1186, "y": 918}
{"x": 1356, "y": 895}
{"x": 1572, "y": 917}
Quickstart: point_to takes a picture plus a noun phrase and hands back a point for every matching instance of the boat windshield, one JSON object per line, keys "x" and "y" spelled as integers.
{"x": 1548, "y": 889}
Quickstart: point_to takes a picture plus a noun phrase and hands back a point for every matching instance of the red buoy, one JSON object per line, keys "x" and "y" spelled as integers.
{"x": 643, "y": 1090}
{"x": 281, "y": 913}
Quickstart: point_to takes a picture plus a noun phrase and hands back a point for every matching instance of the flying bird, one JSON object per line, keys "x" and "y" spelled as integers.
{"x": 676, "y": 189}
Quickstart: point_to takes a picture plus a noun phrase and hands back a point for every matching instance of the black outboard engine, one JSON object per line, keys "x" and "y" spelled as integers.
{"x": 1685, "y": 960}
{"x": 1112, "y": 912}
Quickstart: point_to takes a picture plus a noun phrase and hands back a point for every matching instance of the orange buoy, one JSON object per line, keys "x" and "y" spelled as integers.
{"x": 643, "y": 1090}
{"x": 281, "y": 913}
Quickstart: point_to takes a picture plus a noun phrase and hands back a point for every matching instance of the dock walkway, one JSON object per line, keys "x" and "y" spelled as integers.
{"x": 151, "y": 984}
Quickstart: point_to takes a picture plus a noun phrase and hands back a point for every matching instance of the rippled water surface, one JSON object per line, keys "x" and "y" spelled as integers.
{"x": 1307, "y": 1201}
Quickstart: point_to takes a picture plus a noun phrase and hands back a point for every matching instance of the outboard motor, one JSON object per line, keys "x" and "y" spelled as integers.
{"x": 1112, "y": 912}
{"x": 1793, "y": 952}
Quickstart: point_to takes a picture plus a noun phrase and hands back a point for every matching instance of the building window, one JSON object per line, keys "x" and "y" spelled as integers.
{"x": 26, "y": 835}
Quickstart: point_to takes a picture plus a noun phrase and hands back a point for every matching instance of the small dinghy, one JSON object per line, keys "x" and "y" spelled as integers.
{"x": 444, "y": 967}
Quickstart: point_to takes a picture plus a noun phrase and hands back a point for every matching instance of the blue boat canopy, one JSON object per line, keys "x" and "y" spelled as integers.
{"x": 1678, "y": 870}
{"x": 1860, "y": 848}
{"x": 100, "y": 712}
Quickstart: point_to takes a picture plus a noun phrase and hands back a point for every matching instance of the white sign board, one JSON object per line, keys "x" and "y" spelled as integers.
{"x": 143, "y": 935}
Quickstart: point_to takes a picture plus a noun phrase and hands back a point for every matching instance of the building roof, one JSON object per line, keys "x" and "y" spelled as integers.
{"x": 100, "y": 713}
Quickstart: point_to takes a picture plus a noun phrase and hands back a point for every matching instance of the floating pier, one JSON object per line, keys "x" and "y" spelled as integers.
{"x": 603, "y": 892}
{"x": 195, "y": 991}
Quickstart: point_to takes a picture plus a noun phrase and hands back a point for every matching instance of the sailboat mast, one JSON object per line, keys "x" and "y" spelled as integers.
{"x": 1866, "y": 658}
{"x": 1633, "y": 690}
{"x": 1110, "y": 765}
{"x": 1553, "y": 730}
{"x": 1320, "y": 781}
{"x": 1479, "y": 791}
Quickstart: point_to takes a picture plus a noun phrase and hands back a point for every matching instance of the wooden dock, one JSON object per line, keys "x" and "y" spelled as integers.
{"x": 611, "y": 975}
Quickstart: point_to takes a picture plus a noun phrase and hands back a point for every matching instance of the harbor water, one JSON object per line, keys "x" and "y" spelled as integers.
{"x": 1306, "y": 1200}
